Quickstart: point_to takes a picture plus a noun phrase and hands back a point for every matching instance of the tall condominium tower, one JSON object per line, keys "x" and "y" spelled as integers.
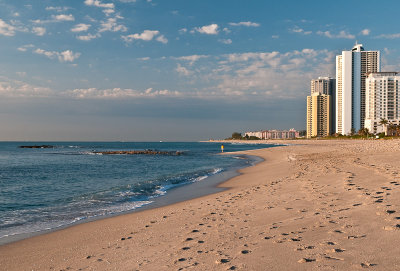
{"x": 327, "y": 86}
{"x": 382, "y": 100}
{"x": 351, "y": 70}
{"x": 323, "y": 85}
{"x": 318, "y": 115}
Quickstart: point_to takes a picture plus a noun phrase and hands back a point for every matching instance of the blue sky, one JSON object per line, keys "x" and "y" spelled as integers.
{"x": 174, "y": 70}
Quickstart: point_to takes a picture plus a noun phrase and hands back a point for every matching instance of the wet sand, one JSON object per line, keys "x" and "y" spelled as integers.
{"x": 316, "y": 205}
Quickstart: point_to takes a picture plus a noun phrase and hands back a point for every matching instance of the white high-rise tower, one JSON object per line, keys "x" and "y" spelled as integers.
{"x": 351, "y": 70}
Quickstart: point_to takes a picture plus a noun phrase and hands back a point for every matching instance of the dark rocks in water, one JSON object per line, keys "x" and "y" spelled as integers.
{"x": 150, "y": 152}
{"x": 37, "y": 147}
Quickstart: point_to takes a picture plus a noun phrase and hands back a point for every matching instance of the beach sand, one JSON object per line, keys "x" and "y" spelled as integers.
{"x": 316, "y": 205}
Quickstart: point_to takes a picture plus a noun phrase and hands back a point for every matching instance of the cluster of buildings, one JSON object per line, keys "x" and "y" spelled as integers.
{"x": 360, "y": 96}
{"x": 274, "y": 134}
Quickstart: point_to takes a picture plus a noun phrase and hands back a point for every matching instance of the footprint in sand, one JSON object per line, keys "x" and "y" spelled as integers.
{"x": 304, "y": 248}
{"x": 306, "y": 260}
{"x": 366, "y": 265}
{"x": 333, "y": 258}
{"x": 356, "y": 236}
{"x": 268, "y": 237}
{"x": 338, "y": 250}
{"x": 223, "y": 261}
{"x": 330, "y": 243}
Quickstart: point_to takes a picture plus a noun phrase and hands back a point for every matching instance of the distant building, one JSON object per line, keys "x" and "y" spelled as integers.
{"x": 327, "y": 86}
{"x": 277, "y": 134}
{"x": 318, "y": 115}
{"x": 256, "y": 134}
{"x": 351, "y": 70}
{"x": 382, "y": 100}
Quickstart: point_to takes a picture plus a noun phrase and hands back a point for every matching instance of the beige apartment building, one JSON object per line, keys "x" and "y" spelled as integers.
{"x": 318, "y": 115}
{"x": 327, "y": 86}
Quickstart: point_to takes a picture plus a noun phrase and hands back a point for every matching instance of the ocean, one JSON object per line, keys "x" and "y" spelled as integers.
{"x": 49, "y": 188}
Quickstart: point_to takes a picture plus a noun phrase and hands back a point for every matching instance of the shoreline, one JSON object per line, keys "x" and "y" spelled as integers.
{"x": 175, "y": 195}
{"x": 310, "y": 206}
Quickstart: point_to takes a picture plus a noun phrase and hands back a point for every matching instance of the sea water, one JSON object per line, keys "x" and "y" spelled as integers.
{"x": 48, "y": 188}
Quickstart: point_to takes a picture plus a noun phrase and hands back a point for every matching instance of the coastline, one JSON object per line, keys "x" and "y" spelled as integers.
{"x": 177, "y": 194}
{"x": 313, "y": 205}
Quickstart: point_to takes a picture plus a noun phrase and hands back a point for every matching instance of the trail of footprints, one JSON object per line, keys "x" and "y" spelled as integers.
{"x": 330, "y": 219}
{"x": 317, "y": 191}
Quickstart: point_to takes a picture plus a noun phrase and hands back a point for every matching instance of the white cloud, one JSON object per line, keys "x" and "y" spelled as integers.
{"x": 283, "y": 75}
{"x": 146, "y": 35}
{"x": 68, "y": 56}
{"x": 211, "y": 29}
{"x": 342, "y": 35}
{"x": 63, "y": 17}
{"x": 248, "y": 24}
{"x": 192, "y": 58}
{"x": 87, "y": 37}
{"x": 143, "y": 58}
{"x": 40, "y": 31}
{"x": 162, "y": 39}
{"x": 299, "y": 30}
{"x": 127, "y": 1}
{"x": 275, "y": 36}
{"x": 108, "y": 11}
{"x": 182, "y": 70}
{"x": 6, "y": 29}
{"x": 226, "y": 30}
{"x": 24, "y": 48}
{"x": 49, "y": 54}
{"x": 57, "y": 9}
{"x": 118, "y": 93}
{"x": 80, "y": 27}
{"x": 225, "y": 41}
{"x": 99, "y": 4}
{"x": 65, "y": 56}
{"x": 389, "y": 36}
{"x": 365, "y": 32}
{"x": 15, "y": 88}
{"x": 182, "y": 30}
{"x": 111, "y": 25}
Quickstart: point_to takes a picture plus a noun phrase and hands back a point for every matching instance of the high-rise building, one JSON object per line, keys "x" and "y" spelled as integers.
{"x": 382, "y": 100}
{"x": 351, "y": 70}
{"x": 327, "y": 86}
{"x": 323, "y": 85}
{"x": 318, "y": 115}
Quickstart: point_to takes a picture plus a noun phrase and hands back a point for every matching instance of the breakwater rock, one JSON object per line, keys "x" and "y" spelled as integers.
{"x": 149, "y": 152}
{"x": 37, "y": 147}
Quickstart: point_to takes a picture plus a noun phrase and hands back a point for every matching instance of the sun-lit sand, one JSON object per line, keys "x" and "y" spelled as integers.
{"x": 317, "y": 205}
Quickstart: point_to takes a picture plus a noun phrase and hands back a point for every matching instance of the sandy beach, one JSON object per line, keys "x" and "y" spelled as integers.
{"x": 315, "y": 205}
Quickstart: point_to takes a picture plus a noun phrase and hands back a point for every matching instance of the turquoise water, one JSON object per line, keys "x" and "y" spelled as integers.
{"x": 44, "y": 189}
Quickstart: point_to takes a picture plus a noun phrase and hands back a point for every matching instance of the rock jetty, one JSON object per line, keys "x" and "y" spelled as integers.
{"x": 37, "y": 147}
{"x": 149, "y": 152}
